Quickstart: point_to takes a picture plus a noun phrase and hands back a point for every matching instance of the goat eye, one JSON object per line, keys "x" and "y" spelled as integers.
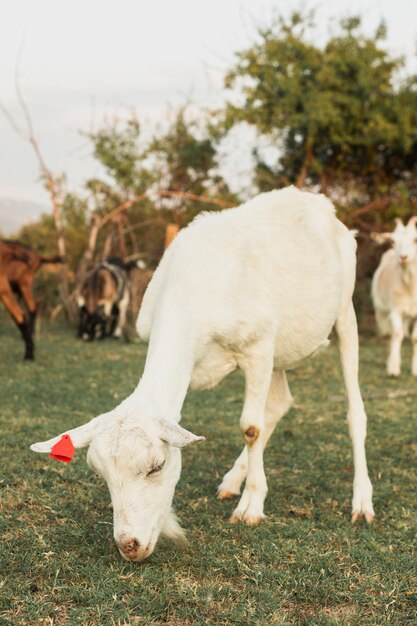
{"x": 155, "y": 469}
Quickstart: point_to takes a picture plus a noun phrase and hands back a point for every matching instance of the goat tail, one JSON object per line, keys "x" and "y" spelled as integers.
{"x": 52, "y": 259}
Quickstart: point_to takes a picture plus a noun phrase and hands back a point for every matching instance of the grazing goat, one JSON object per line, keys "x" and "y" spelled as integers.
{"x": 104, "y": 299}
{"x": 258, "y": 287}
{"x": 394, "y": 292}
{"x": 18, "y": 266}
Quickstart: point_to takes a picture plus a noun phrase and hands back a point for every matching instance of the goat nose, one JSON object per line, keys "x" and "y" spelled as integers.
{"x": 404, "y": 258}
{"x": 130, "y": 548}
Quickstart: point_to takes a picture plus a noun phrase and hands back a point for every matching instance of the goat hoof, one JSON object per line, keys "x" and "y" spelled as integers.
{"x": 248, "y": 520}
{"x": 252, "y": 520}
{"x": 222, "y": 494}
{"x": 369, "y": 517}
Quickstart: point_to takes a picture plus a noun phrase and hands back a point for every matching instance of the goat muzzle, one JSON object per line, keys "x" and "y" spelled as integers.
{"x": 131, "y": 550}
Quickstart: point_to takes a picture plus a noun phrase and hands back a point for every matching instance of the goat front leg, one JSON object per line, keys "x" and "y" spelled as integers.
{"x": 397, "y": 335}
{"x": 414, "y": 342}
{"x": 258, "y": 370}
{"x": 347, "y": 331}
{"x": 278, "y": 402}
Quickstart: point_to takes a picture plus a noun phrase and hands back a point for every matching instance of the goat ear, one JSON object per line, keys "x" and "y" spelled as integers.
{"x": 80, "y": 437}
{"x": 381, "y": 237}
{"x": 176, "y": 435}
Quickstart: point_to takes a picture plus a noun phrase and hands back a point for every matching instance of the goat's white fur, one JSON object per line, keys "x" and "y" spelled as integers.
{"x": 257, "y": 287}
{"x": 394, "y": 292}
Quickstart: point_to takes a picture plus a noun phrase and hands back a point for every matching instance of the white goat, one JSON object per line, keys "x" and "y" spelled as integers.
{"x": 394, "y": 292}
{"x": 257, "y": 287}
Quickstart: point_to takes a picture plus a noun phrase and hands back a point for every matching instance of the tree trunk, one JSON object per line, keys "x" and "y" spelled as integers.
{"x": 324, "y": 182}
{"x": 108, "y": 245}
{"x": 87, "y": 258}
{"x": 308, "y": 157}
{"x": 170, "y": 232}
{"x": 122, "y": 242}
{"x": 63, "y": 285}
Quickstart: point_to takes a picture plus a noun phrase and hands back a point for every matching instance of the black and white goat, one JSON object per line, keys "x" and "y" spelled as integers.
{"x": 104, "y": 299}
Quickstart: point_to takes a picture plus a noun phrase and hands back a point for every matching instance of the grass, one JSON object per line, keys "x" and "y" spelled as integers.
{"x": 305, "y": 565}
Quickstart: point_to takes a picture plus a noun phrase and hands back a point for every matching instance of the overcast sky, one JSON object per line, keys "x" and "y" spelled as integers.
{"x": 84, "y": 59}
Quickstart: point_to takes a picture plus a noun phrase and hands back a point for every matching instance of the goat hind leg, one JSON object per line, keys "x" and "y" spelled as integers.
{"x": 347, "y": 331}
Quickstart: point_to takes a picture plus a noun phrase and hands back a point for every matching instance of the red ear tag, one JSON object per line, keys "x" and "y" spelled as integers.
{"x": 63, "y": 450}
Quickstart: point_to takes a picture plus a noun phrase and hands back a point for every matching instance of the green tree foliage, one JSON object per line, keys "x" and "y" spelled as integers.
{"x": 120, "y": 150}
{"x": 125, "y": 197}
{"x": 116, "y": 146}
{"x": 182, "y": 159}
{"x": 338, "y": 112}
{"x": 186, "y": 160}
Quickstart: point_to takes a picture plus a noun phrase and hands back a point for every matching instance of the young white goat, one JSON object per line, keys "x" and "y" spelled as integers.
{"x": 394, "y": 292}
{"x": 257, "y": 287}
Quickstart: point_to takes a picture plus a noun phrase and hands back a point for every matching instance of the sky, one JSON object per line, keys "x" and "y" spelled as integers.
{"x": 87, "y": 59}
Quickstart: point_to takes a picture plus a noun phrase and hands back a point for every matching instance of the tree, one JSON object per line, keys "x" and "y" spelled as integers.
{"x": 126, "y": 211}
{"x": 149, "y": 184}
{"x": 53, "y": 184}
{"x": 338, "y": 112}
{"x": 186, "y": 164}
{"x": 119, "y": 200}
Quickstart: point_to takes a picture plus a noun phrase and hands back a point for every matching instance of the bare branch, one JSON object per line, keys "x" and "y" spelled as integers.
{"x": 31, "y": 132}
{"x": 165, "y": 194}
{"x": 122, "y": 207}
{"x": 19, "y": 131}
{"x": 192, "y": 196}
{"x": 144, "y": 224}
{"x": 29, "y": 135}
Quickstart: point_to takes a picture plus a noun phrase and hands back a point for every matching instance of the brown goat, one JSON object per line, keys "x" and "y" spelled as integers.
{"x": 18, "y": 266}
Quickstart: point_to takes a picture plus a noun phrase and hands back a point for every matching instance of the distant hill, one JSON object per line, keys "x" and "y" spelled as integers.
{"x": 14, "y": 213}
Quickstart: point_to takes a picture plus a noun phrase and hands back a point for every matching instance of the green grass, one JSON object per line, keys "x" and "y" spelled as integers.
{"x": 305, "y": 565}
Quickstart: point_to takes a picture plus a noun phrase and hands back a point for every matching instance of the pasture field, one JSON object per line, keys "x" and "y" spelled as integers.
{"x": 305, "y": 565}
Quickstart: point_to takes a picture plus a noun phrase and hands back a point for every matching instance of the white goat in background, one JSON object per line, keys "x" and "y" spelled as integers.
{"x": 258, "y": 287}
{"x": 394, "y": 292}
